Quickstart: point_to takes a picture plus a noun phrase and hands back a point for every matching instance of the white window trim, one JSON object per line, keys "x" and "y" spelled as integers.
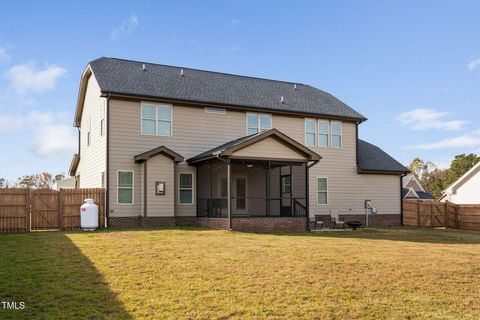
{"x": 180, "y": 188}
{"x": 329, "y": 144}
{"x": 314, "y": 132}
{"x": 213, "y": 110}
{"x": 316, "y": 194}
{"x": 341, "y": 134}
{"x": 133, "y": 188}
{"x": 102, "y": 119}
{"x": 89, "y": 131}
{"x": 258, "y": 120}
{"x": 156, "y": 118}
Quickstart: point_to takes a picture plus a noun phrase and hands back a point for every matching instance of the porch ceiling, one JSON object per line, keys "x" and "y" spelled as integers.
{"x": 271, "y": 144}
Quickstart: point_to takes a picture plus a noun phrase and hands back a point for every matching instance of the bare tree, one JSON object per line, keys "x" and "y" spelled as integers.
{"x": 42, "y": 180}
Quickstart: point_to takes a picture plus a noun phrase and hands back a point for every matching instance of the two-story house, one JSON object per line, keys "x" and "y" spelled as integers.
{"x": 177, "y": 146}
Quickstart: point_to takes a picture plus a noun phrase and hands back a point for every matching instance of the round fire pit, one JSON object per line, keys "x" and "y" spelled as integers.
{"x": 354, "y": 224}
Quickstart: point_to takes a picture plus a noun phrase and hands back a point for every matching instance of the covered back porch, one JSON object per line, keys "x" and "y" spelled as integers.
{"x": 262, "y": 176}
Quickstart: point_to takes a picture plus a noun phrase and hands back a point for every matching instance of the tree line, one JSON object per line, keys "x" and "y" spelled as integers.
{"x": 434, "y": 179}
{"x": 44, "y": 180}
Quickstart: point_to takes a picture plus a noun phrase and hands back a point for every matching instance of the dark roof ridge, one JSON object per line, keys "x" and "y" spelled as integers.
{"x": 203, "y": 70}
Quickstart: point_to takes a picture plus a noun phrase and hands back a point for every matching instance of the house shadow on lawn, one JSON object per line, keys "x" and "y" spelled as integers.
{"x": 47, "y": 272}
{"x": 406, "y": 234}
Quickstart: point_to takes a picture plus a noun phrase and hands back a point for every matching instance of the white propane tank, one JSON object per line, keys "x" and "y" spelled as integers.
{"x": 89, "y": 215}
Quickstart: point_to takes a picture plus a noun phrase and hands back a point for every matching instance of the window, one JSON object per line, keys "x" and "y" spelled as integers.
{"x": 323, "y": 129}
{"x": 125, "y": 187}
{"x": 156, "y": 119}
{"x": 102, "y": 182}
{"x": 185, "y": 195}
{"x": 287, "y": 184}
{"x": 309, "y": 132}
{"x": 89, "y": 129}
{"x": 322, "y": 190}
{"x": 336, "y": 134}
{"x": 102, "y": 120}
{"x": 215, "y": 110}
{"x": 258, "y": 123}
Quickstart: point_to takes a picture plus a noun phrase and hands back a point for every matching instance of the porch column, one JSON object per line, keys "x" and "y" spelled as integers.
{"x": 229, "y": 203}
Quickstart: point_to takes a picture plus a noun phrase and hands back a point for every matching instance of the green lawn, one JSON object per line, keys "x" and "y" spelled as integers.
{"x": 200, "y": 274}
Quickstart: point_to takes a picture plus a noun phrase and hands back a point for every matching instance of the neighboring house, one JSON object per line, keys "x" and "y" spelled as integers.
{"x": 412, "y": 189}
{"x": 179, "y": 146}
{"x": 466, "y": 190}
{"x": 64, "y": 183}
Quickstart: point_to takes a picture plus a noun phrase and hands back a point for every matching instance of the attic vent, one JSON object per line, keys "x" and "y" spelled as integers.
{"x": 281, "y": 99}
{"x": 294, "y": 86}
{"x": 143, "y": 67}
{"x": 181, "y": 73}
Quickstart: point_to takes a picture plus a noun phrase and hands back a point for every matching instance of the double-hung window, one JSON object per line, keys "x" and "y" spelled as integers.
{"x": 323, "y": 133}
{"x": 322, "y": 190}
{"x": 309, "y": 132}
{"x": 125, "y": 187}
{"x": 258, "y": 123}
{"x": 336, "y": 134}
{"x": 156, "y": 119}
{"x": 185, "y": 194}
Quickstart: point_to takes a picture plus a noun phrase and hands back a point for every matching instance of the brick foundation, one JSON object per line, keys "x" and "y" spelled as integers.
{"x": 375, "y": 220}
{"x": 284, "y": 224}
{"x": 139, "y": 221}
{"x": 213, "y": 223}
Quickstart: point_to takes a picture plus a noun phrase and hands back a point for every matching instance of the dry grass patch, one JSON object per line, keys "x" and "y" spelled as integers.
{"x": 202, "y": 274}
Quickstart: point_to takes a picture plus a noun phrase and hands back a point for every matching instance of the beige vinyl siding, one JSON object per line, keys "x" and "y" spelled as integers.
{"x": 346, "y": 188}
{"x": 269, "y": 148}
{"x": 92, "y": 157}
{"x": 160, "y": 168}
{"x": 195, "y": 131}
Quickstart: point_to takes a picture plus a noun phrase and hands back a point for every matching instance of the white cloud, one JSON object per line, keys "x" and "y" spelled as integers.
{"x": 12, "y": 123}
{"x": 49, "y": 138}
{"x": 234, "y": 21}
{"x": 26, "y": 77}
{"x": 425, "y": 119}
{"x": 54, "y": 139}
{"x": 469, "y": 140}
{"x": 127, "y": 27}
{"x": 4, "y": 55}
{"x": 473, "y": 64}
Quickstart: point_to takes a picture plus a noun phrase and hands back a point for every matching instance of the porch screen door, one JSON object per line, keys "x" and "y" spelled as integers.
{"x": 240, "y": 195}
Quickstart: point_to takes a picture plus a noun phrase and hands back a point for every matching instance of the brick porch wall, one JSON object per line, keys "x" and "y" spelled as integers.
{"x": 185, "y": 221}
{"x": 284, "y": 224}
{"x": 213, "y": 223}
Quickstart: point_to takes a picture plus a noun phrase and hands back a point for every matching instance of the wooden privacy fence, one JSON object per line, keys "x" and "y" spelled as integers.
{"x": 441, "y": 214}
{"x": 45, "y": 209}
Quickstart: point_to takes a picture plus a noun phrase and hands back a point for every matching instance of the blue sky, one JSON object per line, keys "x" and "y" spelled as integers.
{"x": 411, "y": 67}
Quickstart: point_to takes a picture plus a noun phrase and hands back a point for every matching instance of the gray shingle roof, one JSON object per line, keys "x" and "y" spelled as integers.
{"x": 127, "y": 77}
{"x": 373, "y": 159}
